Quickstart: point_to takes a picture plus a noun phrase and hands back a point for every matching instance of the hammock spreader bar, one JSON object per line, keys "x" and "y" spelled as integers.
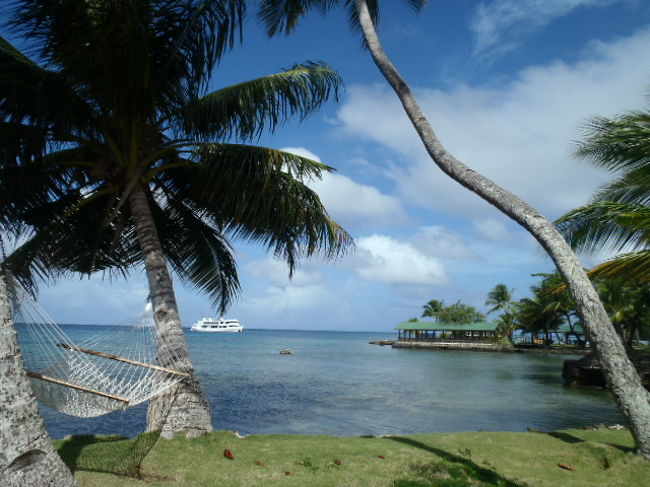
{"x": 122, "y": 359}
{"x": 64, "y": 383}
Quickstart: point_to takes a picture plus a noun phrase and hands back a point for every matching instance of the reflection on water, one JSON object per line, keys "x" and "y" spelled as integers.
{"x": 336, "y": 383}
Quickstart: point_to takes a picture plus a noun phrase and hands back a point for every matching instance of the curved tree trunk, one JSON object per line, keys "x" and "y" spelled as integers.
{"x": 27, "y": 456}
{"x": 184, "y": 408}
{"x": 621, "y": 376}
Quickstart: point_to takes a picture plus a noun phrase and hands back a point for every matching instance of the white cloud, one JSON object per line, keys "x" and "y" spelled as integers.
{"x": 285, "y": 299}
{"x": 277, "y": 272}
{"x": 494, "y": 20}
{"x": 302, "y": 152}
{"x": 442, "y": 243}
{"x": 352, "y": 203}
{"x": 520, "y": 134}
{"x": 305, "y": 289}
{"x": 492, "y": 229}
{"x": 381, "y": 258}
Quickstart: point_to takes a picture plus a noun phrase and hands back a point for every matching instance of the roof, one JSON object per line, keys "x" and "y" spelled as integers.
{"x": 565, "y": 328}
{"x": 430, "y": 325}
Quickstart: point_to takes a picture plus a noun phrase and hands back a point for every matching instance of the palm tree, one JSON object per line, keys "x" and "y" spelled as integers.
{"x": 500, "y": 298}
{"x": 459, "y": 313}
{"x": 620, "y": 374}
{"x": 124, "y": 157}
{"x": 432, "y": 308}
{"x": 617, "y": 219}
{"x": 507, "y": 324}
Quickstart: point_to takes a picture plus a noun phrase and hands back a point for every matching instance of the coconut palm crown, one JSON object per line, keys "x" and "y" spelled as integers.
{"x": 617, "y": 219}
{"x": 113, "y": 153}
{"x": 500, "y": 298}
{"x": 283, "y": 15}
{"x": 113, "y": 99}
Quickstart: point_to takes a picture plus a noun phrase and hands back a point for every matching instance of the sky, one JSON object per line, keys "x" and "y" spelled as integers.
{"x": 507, "y": 85}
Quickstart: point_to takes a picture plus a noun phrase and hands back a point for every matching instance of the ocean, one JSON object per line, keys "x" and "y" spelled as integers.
{"x": 336, "y": 383}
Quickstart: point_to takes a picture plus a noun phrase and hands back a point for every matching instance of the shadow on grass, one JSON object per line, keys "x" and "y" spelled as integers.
{"x": 110, "y": 454}
{"x": 565, "y": 437}
{"x": 459, "y": 470}
{"x": 569, "y": 438}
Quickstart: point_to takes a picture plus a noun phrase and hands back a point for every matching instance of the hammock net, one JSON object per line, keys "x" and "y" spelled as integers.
{"x": 102, "y": 369}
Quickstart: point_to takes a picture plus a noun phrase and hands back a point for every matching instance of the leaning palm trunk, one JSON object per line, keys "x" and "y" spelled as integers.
{"x": 26, "y": 453}
{"x": 184, "y": 408}
{"x": 620, "y": 374}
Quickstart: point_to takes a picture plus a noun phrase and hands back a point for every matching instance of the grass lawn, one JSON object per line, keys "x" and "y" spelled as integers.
{"x": 590, "y": 458}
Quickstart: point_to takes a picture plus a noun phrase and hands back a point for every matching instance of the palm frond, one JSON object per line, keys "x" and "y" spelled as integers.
{"x": 632, "y": 187}
{"x": 165, "y": 49}
{"x": 283, "y": 15}
{"x": 19, "y": 142}
{"x": 598, "y": 226}
{"x": 616, "y": 144}
{"x": 259, "y": 194}
{"x": 280, "y": 16}
{"x": 31, "y": 93}
{"x": 633, "y": 266}
{"x": 245, "y": 110}
{"x": 200, "y": 255}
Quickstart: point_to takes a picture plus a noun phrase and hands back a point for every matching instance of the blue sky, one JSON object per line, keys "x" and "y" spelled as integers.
{"x": 505, "y": 83}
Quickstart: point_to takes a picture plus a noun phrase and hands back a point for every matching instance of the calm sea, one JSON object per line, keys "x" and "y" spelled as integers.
{"x": 336, "y": 383}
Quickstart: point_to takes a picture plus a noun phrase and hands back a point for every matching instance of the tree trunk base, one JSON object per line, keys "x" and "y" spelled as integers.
{"x": 27, "y": 457}
{"x": 181, "y": 410}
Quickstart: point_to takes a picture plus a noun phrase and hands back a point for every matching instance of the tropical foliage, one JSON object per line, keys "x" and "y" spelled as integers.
{"x": 457, "y": 313}
{"x": 432, "y": 308}
{"x": 628, "y": 305}
{"x": 91, "y": 118}
{"x": 617, "y": 219}
{"x": 114, "y": 153}
{"x": 550, "y": 306}
{"x": 500, "y": 298}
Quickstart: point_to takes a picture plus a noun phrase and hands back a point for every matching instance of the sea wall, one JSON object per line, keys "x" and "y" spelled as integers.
{"x": 452, "y": 345}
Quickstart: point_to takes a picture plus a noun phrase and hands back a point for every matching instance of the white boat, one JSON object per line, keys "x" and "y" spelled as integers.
{"x": 221, "y": 325}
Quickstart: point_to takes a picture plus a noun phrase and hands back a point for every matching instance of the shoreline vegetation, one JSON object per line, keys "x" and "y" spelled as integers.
{"x": 599, "y": 456}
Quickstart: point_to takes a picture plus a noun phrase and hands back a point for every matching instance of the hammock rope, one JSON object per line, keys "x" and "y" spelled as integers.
{"x": 105, "y": 369}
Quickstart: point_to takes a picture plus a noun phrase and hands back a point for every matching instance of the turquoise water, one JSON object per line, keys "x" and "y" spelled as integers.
{"x": 335, "y": 383}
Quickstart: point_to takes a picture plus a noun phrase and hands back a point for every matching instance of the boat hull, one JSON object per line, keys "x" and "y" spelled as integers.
{"x": 213, "y": 330}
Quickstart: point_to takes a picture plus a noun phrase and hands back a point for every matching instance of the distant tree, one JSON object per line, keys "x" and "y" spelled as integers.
{"x": 628, "y": 304}
{"x": 459, "y": 313}
{"x": 500, "y": 298}
{"x": 537, "y": 315}
{"x": 507, "y": 323}
{"x": 413, "y": 320}
{"x": 432, "y": 308}
{"x": 550, "y": 306}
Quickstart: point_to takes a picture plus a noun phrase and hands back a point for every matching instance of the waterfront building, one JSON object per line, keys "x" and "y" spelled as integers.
{"x": 480, "y": 332}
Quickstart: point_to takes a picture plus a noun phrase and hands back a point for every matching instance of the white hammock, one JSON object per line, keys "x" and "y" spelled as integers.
{"x": 113, "y": 369}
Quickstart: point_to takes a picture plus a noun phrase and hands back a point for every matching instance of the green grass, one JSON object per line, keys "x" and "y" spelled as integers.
{"x": 474, "y": 459}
